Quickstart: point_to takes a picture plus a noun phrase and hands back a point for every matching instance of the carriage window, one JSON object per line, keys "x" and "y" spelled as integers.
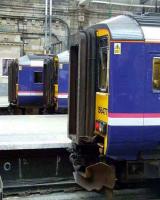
{"x": 5, "y": 65}
{"x": 156, "y": 74}
{"x": 37, "y": 77}
{"x": 102, "y": 62}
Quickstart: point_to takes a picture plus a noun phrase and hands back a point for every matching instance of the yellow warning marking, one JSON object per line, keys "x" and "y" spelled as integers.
{"x": 117, "y": 48}
{"x": 105, "y": 144}
{"x": 55, "y": 89}
{"x": 101, "y": 107}
{"x": 102, "y": 32}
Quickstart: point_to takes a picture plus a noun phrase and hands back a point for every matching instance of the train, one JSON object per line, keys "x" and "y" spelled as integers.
{"x": 39, "y": 84}
{"x": 63, "y": 79}
{"x": 114, "y": 101}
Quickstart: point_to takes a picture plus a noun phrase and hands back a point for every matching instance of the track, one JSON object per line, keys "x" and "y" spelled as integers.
{"x": 66, "y": 189}
{"x": 76, "y": 193}
{"x": 40, "y": 186}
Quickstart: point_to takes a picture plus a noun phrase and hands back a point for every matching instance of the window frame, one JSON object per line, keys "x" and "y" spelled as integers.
{"x": 155, "y": 90}
{"x": 8, "y": 59}
{"x": 35, "y": 77}
{"x": 107, "y": 60}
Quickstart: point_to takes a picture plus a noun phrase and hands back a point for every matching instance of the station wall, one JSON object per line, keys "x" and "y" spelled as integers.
{"x": 10, "y": 48}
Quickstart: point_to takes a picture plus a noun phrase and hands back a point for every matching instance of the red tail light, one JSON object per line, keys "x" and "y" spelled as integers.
{"x": 97, "y": 126}
{"x": 100, "y": 127}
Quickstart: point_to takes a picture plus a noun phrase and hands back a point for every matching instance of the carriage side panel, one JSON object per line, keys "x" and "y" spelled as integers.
{"x": 126, "y": 100}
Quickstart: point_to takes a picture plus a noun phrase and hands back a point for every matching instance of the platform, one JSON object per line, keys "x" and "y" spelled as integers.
{"x": 4, "y": 101}
{"x": 33, "y": 132}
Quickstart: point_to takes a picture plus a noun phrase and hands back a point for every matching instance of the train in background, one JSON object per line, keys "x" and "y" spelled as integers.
{"x": 63, "y": 79}
{"x": 114, "y": 103}
{"x": 39, "y": 84}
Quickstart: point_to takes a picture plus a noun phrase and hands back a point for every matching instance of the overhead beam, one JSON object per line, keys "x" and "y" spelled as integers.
{"x": 143, "y": 1}
{"x": 83, "y": 2}
{"x": 122, "y": 4}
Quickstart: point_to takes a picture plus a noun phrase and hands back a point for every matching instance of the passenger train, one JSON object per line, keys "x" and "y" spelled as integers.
{"x": 63, "y": 76}
{"x": 39, "y": 83}
{"x": 114, "y": 103}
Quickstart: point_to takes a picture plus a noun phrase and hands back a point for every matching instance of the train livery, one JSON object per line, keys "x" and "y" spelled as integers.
{"x": 63, "y": 76}
{"x": 114, "y": 102}
{"x": 33, "y": 83}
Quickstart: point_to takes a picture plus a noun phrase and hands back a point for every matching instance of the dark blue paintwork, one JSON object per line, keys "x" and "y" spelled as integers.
{"x": 131, "y": 92}
{"x": 26, "y": 84}
{"x": 30, "y": 101}
{"x": 127, "y": 79}
{"x": 128, "y": 142}
{"x": 63, "y": 85}
{"x": 152, "y": 99}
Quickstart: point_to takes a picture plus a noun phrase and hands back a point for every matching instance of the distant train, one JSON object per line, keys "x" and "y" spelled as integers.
{"x": 38, "y": 83}
{"x": 62, "y": 80}
{"x": 114, "y": 104}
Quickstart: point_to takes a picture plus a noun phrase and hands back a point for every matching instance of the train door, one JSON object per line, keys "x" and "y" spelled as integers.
{"x": 152, "y": 101}
{"x": 36, "y": 84}
{"x": 77, "y": 87}
{"x": 101, "y": 106}
{"x": 13, "y": 82}
{"x": 24, "y": 85}
{"x": 63, "y": 86}
{"x": 50, "y": 86}
{"x": 152, "y": 84}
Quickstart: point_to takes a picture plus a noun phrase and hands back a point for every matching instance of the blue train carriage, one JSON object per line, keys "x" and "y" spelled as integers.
{"x": 63, "y": 76}
{"x": 30, "y": 82}
{"x": 114, "y": 104}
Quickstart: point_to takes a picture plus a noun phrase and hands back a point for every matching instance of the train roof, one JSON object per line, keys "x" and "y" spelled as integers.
{"x": 32, "y": 60}
{"x": 63, "y": 57}
{"x": 134, "y": 27}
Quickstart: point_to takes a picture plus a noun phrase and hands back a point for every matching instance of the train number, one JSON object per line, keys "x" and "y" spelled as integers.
{"x": 102, "y": 110}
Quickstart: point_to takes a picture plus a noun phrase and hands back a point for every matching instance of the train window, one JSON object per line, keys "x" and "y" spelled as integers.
{"x": 156, "y": 74}
{"x": 37, "y": 77}
{"x": 102, "y": 62}
{"x": 5, "y": 65}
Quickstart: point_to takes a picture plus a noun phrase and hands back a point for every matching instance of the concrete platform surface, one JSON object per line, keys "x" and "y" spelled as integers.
{"x": 33, "y": 132}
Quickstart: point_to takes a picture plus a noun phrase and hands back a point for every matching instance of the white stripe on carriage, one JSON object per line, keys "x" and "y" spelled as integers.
{"x": 37, "y": 63}
{"x": 30, "y": 93}
{"x": 152, "y": 121}
{"x": 133, "y": 121}
{"x": 62, "y": 96}
{"x": 125, "y": 121}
